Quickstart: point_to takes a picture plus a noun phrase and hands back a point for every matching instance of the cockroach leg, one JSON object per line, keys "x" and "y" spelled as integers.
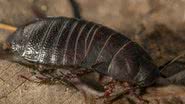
{"x": 109, "y": 87}
{"x": 76, "y": 74}
{"x": 43, "y": 80}
{"x": 141, "y": 100}
{"x": 82, "y": 72}
{"x": 128, "y": 88}
{"x": 28, "y": 79}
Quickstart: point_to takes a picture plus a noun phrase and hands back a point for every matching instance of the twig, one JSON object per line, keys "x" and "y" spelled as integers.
{"x": 7, "y": 27}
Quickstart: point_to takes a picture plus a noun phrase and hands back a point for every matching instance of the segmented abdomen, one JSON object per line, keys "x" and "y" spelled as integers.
{"x": 66, "y": 41}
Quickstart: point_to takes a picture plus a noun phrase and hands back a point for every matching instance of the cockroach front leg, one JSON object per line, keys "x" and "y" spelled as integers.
{"x": 28, "y": 78}
{"x": 42, "y": 78}
{"x": 77, "y": 73}
{"x": 41, "y": 74}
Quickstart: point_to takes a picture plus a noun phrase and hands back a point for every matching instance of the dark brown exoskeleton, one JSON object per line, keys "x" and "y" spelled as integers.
{"x": 52, "y": 43}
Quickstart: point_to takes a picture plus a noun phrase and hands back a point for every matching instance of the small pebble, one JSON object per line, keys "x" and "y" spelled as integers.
{"x": 44, "y": 8}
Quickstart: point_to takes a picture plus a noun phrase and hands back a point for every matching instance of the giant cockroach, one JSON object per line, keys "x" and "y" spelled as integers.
{"x": 52, "y": 43}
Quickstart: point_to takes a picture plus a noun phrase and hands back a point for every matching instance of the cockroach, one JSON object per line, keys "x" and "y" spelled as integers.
{"x": 52, "y": 43}
{"x": 66, "y": 48}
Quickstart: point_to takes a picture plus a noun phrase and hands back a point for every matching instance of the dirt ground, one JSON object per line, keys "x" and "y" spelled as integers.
{"x": 157, "y": 25}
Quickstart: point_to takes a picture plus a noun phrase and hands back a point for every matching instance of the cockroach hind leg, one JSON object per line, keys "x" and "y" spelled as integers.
{"x": 135, "y": 92}
{"x": 108, "y": 89}
{"x": 140, "y": 99}
{"x": 113, "y": 99}
{"x": 128, "y": 90}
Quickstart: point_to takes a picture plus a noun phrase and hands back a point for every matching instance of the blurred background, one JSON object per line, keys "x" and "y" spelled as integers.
{"x": 157, "y": 25}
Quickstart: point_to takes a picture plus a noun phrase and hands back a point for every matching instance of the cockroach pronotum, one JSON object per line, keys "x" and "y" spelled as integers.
{"x": 53, "y": 44}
